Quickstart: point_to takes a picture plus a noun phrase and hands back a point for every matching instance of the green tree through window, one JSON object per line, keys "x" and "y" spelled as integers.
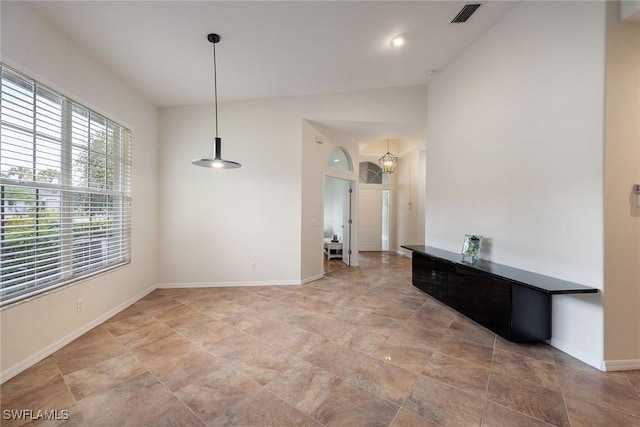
{"x": 64, "y": 189}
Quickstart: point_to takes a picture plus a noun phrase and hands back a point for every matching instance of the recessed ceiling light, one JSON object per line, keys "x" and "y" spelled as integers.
{"x": 397, "y": 41}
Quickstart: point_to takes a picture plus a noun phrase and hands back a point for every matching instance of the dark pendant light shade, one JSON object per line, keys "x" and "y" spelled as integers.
{"x": 217, "y": 162}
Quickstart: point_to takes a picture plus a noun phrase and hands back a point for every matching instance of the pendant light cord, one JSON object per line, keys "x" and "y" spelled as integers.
{"x": 215, "y": 87}
{"x": 217, "y": 161}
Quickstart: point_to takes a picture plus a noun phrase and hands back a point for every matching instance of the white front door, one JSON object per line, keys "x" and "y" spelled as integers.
{"x": 370, "y": 219}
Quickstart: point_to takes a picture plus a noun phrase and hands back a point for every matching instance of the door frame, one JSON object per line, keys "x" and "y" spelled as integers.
{"x": 353, "y": 245}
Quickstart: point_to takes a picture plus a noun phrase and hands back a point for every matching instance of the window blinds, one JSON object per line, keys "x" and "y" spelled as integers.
{"x": 65, "y": 189}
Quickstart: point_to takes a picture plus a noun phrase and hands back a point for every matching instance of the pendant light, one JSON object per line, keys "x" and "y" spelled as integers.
{"x": 388, "y": 162}
{"x": 217, "y": 162}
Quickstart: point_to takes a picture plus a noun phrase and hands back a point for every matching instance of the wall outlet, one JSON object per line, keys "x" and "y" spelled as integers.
{"x": 79, "y": 305}
{"x": 253, "y": 266}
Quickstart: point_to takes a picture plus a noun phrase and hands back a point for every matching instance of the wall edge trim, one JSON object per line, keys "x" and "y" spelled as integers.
{"x": 621, "y": 365}
{"x": 312, "y": 278}
{"x": 404, "y": 253}
{"x": 227, "y": 284}
{"x": 578, "y": 354}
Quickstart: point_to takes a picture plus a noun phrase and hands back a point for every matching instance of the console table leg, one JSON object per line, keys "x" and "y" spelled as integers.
{"x": 530, "y": 314}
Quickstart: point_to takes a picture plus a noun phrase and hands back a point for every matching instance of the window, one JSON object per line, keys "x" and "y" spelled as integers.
{"x": 65, "y": 189}
{"x": 339, "y": 159}
{"x": 370, "y": 173}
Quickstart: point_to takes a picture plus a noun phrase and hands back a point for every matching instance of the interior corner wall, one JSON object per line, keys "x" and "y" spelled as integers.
{"x": 515, "y": 153}
{"x": 622, "y": 171}
{"x": 34, "y": 329}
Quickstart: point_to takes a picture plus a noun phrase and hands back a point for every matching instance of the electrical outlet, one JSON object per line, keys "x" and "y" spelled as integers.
{"x": 79, "y": 305}
{"x": 253, "y": 266}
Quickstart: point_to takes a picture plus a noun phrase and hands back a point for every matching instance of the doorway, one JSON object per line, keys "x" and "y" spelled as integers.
{"x": 338, "y": 194}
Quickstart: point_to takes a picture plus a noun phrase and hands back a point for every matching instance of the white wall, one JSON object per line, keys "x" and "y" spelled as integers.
{"x": 622, "y": 170}
{"x": 213, "y": 224}
{"x": 515, "y": 153}
{"x": 34, "y": 329}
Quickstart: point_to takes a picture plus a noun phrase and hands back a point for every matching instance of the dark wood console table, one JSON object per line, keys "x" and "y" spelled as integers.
{"x": 514, "y": 303}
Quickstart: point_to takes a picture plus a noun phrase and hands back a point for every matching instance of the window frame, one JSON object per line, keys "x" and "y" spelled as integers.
{"x": 90, "y": 222}
{"x": 369, "y": 172}
{"x": 337, "y": 154}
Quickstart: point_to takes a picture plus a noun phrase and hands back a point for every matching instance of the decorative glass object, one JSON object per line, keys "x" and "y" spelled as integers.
{"x": 471, "y": 248}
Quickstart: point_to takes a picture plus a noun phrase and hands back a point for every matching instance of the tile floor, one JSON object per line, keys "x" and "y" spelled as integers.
{"x": 360, "y": 347}
{"x": 334, "y": 264}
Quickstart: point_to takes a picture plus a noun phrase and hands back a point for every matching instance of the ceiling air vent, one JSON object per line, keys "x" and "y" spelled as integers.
{"x": 465, "y": 13}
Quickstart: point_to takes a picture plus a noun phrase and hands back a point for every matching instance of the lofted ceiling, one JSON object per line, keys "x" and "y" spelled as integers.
{"x": 271, "y": 48}
{"x": 268, "y": 48}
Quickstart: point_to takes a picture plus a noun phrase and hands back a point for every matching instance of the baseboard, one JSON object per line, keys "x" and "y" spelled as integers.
{"x": 578, "y": 354}
{"x": 406, "y": 254}
{"x": 14, "y": 370}
{"x": 312, "y": 278}
{"x": 621, "y": 365}
{"x": 227, "y": 284}
{"x": 603, "y": 365}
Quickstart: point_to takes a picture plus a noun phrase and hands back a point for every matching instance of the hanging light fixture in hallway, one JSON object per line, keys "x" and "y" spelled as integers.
{"x": 388, "y": 162}
{"x": 217, "y": 162}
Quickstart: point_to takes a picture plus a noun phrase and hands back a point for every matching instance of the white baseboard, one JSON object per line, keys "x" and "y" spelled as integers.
{"x": 312, "y": 278}
{"x": 578, "y": 354}
{"x": 402, "y": 252}
{"x": 603, "y": 365}
{"x": 14, "y": 370}
{"x": 227, "y": 284}
{"x": 621, "y": 365}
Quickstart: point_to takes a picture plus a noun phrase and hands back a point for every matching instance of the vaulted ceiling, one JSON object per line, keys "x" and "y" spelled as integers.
{"x": 268, "y": 48}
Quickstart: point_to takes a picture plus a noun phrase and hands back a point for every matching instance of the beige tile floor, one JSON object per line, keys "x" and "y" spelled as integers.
{"x": 360, "y": 347}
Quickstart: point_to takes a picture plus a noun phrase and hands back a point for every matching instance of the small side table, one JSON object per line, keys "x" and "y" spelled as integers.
{"x": 333, "y": 249}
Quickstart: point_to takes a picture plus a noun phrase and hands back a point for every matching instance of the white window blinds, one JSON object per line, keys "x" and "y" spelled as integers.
{"x": 65, "y": 189}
